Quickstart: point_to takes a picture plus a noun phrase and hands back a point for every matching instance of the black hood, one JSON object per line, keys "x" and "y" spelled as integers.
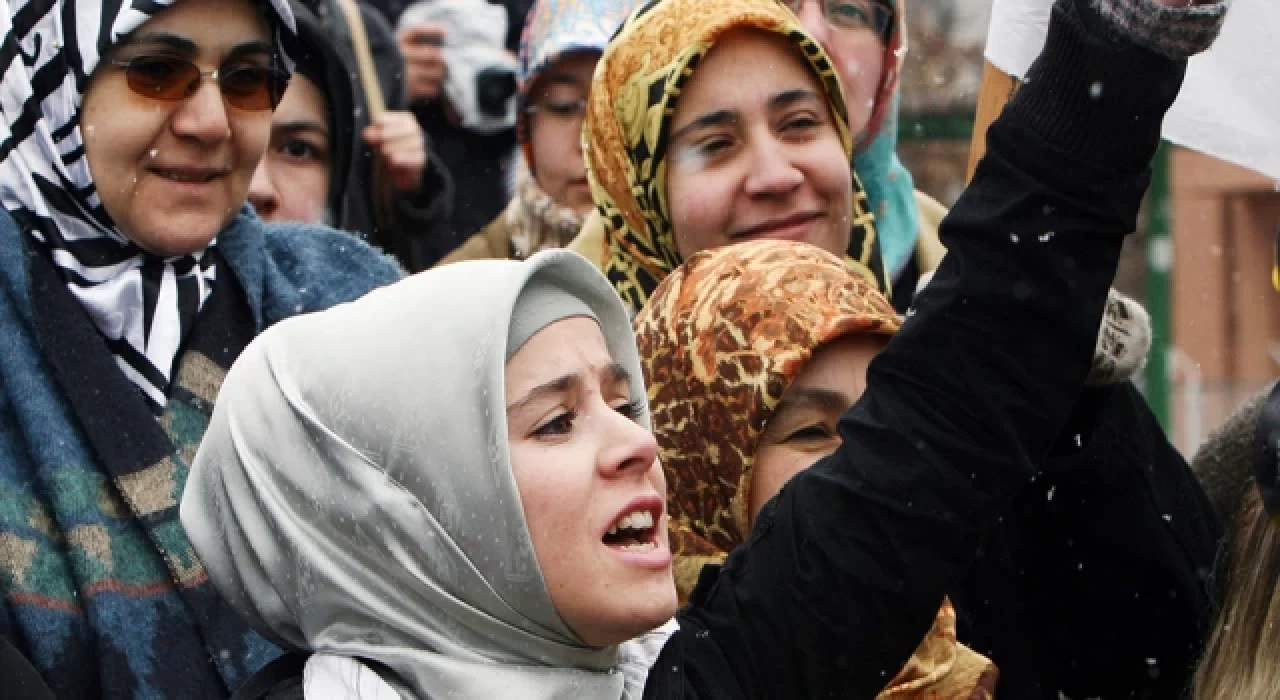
{"x": 322, "y": 34}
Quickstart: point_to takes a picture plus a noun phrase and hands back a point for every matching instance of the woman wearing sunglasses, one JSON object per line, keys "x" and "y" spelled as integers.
{"x": 132, "y": 276}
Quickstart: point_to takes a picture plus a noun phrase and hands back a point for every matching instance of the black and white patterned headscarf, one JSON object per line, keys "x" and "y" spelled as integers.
{"x": 143, "y": 305}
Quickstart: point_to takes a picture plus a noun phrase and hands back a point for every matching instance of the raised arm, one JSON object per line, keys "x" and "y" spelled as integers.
{"x": 846, "y": 568}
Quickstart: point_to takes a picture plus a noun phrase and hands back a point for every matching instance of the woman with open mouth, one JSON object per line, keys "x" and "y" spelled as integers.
{"x": 465, "y": 501}
{"x": 132, "y": 276}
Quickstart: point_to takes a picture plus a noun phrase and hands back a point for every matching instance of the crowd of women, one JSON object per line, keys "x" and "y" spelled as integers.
{"x": 717, "y": 407}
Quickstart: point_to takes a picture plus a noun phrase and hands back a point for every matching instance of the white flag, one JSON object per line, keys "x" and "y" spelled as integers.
{"x": 1229, "y": 107}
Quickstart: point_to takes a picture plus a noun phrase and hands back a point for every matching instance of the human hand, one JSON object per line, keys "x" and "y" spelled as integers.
{"x": 399, "y": 143}
{"x": 424, "y": 67}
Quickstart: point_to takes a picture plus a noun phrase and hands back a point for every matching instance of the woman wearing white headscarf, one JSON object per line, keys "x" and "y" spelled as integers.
{"x": 131, "y": 276}
{"x": 462, "y": 500}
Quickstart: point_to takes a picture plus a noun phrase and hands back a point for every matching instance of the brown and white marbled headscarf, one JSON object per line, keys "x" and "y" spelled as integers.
{"x": 721, "y": 340}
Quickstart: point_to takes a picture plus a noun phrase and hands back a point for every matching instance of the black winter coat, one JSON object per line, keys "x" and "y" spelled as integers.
{"x": 846, "y": 567}
{"x": 1094, "y": 583}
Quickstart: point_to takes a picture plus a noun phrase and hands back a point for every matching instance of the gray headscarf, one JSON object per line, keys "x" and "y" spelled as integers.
{"x": 353, "y": 494}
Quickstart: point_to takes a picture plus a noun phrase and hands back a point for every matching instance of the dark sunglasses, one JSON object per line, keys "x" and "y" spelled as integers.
{"x": 171, "y": 79}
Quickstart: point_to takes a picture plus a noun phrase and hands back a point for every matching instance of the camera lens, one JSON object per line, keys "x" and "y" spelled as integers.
{"x": 494, "y": 87}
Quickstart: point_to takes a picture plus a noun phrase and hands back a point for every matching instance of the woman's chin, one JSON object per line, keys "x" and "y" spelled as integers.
{"x": 181, "y": 235}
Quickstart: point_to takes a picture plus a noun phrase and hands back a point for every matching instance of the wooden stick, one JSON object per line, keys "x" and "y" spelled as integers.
{"x": 382, "y": 191}
{"x": 364, "y": 60}
{"x": 997, "y": 88}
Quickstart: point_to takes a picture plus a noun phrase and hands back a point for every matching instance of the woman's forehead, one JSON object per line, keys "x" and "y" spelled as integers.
{"x": 573, "y": 345}
{"x": 745, "y": 68}
{"x": 204, "y": 26}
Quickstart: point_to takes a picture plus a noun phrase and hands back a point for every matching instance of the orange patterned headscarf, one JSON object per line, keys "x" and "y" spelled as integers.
{"x": 720, "y": 341}
{"x": 633, "y": 97}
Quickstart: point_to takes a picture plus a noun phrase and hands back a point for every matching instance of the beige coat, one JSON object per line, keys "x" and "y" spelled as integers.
{"x": 491, "y": 242}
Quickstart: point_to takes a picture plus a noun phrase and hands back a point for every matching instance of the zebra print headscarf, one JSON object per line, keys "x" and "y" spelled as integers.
{"x": 143, "y": 305}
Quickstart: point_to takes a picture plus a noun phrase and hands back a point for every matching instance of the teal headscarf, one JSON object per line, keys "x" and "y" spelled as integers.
{"x": 891, "y": 194}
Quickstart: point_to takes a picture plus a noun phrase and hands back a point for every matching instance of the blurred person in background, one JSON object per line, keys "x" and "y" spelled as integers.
{"x": 131, "y": 276}
{"x": 1240, "y": 468}
{"x": 466, "y": 103}
{"x": 562, "y": 42}
{"x": 1239, "y": 660}
{"x": 430, "y": 61}
{"x": 320, "y": 161}
{"x": 867, "y": 42}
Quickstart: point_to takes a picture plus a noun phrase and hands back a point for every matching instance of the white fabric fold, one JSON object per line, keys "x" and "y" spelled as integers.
{"x": 353, "y": 495}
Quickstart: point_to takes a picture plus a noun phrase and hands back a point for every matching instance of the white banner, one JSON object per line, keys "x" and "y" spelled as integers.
{"x": 1230, "y": 103}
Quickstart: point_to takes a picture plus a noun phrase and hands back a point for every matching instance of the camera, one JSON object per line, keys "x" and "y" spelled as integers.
{"x": 495, "y": 86}
{"x": 481, "y": 79}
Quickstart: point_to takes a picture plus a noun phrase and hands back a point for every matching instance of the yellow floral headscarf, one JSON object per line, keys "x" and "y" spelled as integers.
{"x": 720, "y": 342}
{"x": 633, "y": 97}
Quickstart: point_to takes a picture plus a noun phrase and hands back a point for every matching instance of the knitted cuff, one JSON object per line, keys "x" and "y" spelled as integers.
{"x": 1124, "y": 342}
{"x": 1175, "y": 32}
{"x": 1090, "y": 83}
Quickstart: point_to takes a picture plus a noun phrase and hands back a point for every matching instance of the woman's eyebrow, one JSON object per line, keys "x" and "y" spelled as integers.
{"x": 555, "y": 387}
{"x": 178, "y": 43}
{"x": 815, "y": 398}
{"x": 790, "y": 97}
{"x": 250, "y": 48}
{"x": 612, "y": 373}
{"x": 188, "y": 48}
{"x": 301, "y": 125}
{"x": 718, "y": 118}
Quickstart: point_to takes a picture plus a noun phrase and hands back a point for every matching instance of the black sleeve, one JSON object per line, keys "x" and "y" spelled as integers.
{"x": 1117, "y": 543}
{"x": 21, "y": 680}
{"x": 846, "y": 567}
{"x": 422, "y": 217}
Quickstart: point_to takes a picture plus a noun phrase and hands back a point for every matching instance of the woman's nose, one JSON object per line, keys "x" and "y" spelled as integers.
{"x": 262, "y": 192}
{"x": 203, "y": 116}
{"x": 772, "y": 172}
{"x": 628, "y": 446}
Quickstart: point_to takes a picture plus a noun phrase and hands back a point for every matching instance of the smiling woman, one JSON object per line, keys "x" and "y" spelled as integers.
{"x": 177, "y": 120}
{"x": 132, "y": 277}
{"x": 759, "y": 158}
{"x": 718, "y": 122}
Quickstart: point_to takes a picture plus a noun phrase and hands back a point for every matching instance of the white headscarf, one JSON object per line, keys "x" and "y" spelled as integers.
{"x": 353, "y": 495}
{"x": 141, "y": 304}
